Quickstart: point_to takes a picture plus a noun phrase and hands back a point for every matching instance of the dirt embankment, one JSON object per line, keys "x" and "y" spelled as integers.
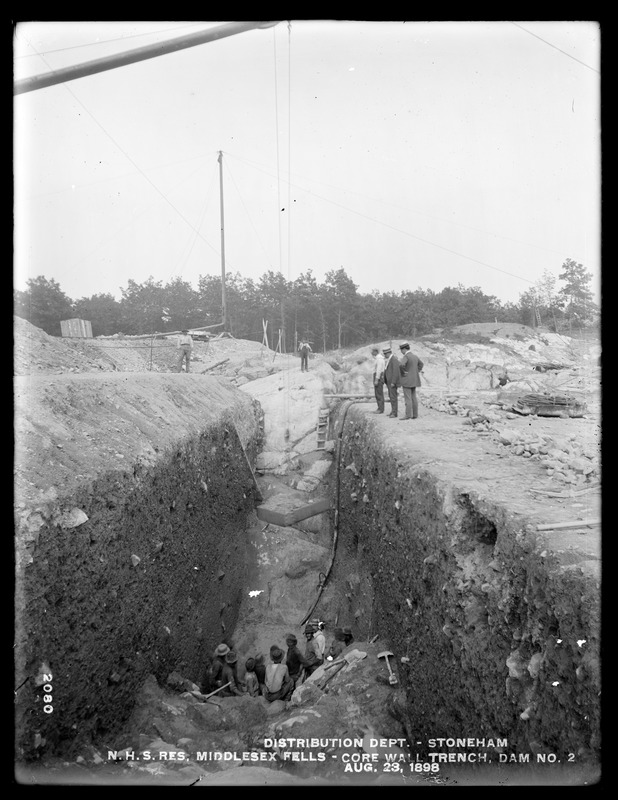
{"x": 496, "y": 622}
{"x": 132, "y": 499}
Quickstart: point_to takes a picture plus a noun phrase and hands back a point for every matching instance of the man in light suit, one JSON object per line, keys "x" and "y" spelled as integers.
{"x": 378, "y": 379}
{"x": 410, "y": 366}
{"x": 392, "y": 378}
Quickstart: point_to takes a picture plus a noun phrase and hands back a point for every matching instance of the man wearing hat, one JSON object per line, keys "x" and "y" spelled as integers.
{"x": 294, "y": 659}
{"x": 311, "y": 650}
{"x": 410, "y": 366}
{"x": 392, "y": 378}
{"x": 337, "y": 645}
{"x": 378, "y": 378}
{"x": 216, "y": 669}
{"x": 184, "y": 345}
{"x": 229, "y": 675}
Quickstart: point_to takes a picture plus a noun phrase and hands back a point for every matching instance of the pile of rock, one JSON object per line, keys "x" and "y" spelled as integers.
{"x": 565, "y": 459}
{"x": 449, "y": 404}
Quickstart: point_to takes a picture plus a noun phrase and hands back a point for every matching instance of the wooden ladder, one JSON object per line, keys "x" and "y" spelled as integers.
{"x": 322, "y": 427}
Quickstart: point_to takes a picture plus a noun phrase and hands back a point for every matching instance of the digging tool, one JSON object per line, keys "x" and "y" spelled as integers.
{"x": 392, "y": 678}
{"x": 348, "y": 658}
{"x": 204, "y": 697}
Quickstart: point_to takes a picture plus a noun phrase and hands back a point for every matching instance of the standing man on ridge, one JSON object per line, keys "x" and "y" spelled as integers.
{"x": 184, "y": 345}
{"x": 410, "y": 366}
{"x": 378, "y": 379}
{"x": 392, "y": 378}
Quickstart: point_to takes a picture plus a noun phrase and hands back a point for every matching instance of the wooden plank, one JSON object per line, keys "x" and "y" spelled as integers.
{"x": 582, "y": 523}
{"x": 289, "y": 517}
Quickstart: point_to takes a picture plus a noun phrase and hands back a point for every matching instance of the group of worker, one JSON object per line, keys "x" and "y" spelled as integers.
{"x": 394, "y": 372}
{"x": 285, "y": 671}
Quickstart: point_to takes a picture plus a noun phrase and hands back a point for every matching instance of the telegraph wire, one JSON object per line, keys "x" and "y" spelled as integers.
{"x": 94, "y": 44}
{"x": 135, "y": 165}
{"x": 228, "y": 172}
{"x": 265, "y": 171}
{"x": 411, "y": 235}
{"x": 277, "y": 150}
{"x": 549, "y": 44}
{"x": 193, "y": 235}
{"x": 125, "y": 225}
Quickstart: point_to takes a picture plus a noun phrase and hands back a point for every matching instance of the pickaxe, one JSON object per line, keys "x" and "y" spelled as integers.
{"x": 392, "y": 678}
{"x": 346, "y": 660}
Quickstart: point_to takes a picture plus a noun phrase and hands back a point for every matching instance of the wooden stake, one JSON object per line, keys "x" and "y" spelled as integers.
{"x": 218, "y": 364}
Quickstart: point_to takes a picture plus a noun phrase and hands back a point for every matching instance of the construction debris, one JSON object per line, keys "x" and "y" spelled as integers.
{"x": 548, "y": 405}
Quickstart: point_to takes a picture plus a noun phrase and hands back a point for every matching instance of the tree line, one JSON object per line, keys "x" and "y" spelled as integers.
{"x": 331, "y": 314}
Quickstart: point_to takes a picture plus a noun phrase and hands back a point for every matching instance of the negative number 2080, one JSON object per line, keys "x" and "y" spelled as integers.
{"x": 47, "y": 697}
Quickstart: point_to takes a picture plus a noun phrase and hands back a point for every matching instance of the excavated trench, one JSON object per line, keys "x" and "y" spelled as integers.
{"x": 483, "y": 627}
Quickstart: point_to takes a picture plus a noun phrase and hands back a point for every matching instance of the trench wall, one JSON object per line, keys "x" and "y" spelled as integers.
{"x": 501, "y": 637}
{"x": 151, "y": 582}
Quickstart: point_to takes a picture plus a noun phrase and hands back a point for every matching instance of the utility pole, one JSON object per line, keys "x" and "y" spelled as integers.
{"x": 223, "y": 301}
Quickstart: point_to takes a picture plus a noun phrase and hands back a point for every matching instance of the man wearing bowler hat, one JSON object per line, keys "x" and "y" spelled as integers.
{"x": 410, "y": 366}
{"x": 392, "y": 378}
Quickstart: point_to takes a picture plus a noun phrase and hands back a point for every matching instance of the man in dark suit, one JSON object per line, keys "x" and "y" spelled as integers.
{"x": 392, "y": 378}
{"x": 410, "y": 366}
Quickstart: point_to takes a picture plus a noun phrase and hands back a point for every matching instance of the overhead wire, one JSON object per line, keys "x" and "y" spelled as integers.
{"x": 277, "y": 149}
{"x": 98, "y": 42}
{"x": 134, "y": 164}
{"x": 549, "y": 44}
{"x": 286, "y": 397}
{"x": 265, "y": 171}
{"x": 122, "y": 227}
{"x": 411, "y": 235}
{"x": 289, "y": 214}
{"x": 193, "y": 236}
{"x": 242, "y": 202}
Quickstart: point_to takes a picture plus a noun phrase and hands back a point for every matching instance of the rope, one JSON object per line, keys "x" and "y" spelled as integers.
{"x": 323, "y": 577}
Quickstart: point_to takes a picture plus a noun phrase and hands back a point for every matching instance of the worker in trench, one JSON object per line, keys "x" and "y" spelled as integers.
{"x": 214, "y": 673}
{"x": 312, "y": 650}
{"x": 343, "y": 638}
{"x": 295, "y": 660}
{"x": 278, "y": 684}
{"x": 229, "y": 676}
{"x": 252, "y": 684}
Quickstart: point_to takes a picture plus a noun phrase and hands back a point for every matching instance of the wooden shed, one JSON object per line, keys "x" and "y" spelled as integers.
{"x": 76, "y": 328}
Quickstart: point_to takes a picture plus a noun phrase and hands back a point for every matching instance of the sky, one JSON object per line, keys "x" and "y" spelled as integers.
{"x": 415, "y": 155}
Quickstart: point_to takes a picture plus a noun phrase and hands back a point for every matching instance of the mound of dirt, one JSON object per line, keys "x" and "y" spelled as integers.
{"x": 491, "y": 329}
{"x": 37, "y": 353}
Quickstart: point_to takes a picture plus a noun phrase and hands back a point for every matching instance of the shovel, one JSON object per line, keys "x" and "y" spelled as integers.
{"x": 348, "y": 658}
{"x": 392, "y": 678}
